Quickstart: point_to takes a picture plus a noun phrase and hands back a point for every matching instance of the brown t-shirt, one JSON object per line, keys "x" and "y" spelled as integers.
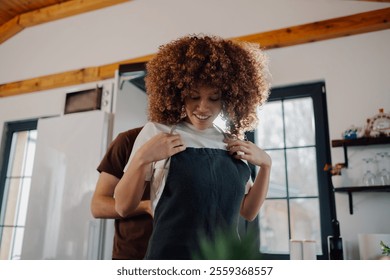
{"x": 132, "y": 233}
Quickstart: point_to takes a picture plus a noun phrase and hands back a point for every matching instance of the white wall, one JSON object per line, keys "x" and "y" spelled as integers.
{"x": 138, "y": 27}
{"x": 130, "y": 109}
{"x": 354, "y": 68}
{"x": 40, "y": 104}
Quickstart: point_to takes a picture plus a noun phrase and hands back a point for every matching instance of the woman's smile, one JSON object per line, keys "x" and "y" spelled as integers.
{"x": 201, "y": 117}
{"x": 203, "y": 106}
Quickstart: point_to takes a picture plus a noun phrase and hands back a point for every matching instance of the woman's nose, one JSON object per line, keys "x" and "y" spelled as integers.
{"x": 203, "y": 104}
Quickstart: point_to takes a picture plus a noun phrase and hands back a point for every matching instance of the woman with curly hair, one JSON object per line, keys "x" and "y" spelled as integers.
{"x": 199, "y": 174}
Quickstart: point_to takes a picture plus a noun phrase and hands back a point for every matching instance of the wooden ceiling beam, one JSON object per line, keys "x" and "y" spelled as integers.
{"x": 50, "y": 13}
{"x": 323, "y": 30}
{"x": 306, "y": 33}
{"x": 9, "y": 29}
{"x": 64, "y": 9}
{"x": 383, "y": 1}
{"x": 68, "y": 78}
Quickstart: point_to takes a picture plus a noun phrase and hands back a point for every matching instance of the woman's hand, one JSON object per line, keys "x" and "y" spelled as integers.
{"x": 160, "y": 147}
{"x": 130, "y": 188}
{"x": 255, "y": 197}
{"x": 248, "y": 151}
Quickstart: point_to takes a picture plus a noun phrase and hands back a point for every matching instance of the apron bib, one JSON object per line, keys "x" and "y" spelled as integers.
{"x": 202, "y": 194}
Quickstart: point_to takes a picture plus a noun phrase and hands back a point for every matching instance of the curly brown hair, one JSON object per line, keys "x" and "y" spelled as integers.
{"x": 239, "y": 70}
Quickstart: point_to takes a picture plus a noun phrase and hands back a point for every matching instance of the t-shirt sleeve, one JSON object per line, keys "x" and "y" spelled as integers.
{"x": 118, "y": 153}
{"x": 248, "y": 185}
{"x": 148, "y": 131}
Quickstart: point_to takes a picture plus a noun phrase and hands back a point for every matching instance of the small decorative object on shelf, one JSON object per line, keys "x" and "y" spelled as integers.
{"x": 375, "y": 127}
{"x": 353, "y": 132}
{"x": 334, "y": 169}
{"x": 378, "y": 125}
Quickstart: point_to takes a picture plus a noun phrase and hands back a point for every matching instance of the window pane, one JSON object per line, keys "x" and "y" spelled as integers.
{"x": 6, "y": 238}
{"x": 11, "y": 201}
{"x": 305, "y": 219}
{"x": 16, "y": 201}
{"x": 32, "y": 138}
{"x": 269, "y": 133}
{"x": 273, "y": 225}
{"x": 23, "y": 202}
{"x": 299, "y": 122}
{"x": 16, "y": 250}
{"x": 17, "y": 155}
{"x": 11, "y": 243}
{"x": 302, "y": 172}
{"x": 277, "y": 186}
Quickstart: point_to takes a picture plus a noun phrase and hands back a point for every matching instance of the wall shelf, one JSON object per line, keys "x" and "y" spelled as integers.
{"x": 359, "y": 142}
{"x": 351, "y": 190}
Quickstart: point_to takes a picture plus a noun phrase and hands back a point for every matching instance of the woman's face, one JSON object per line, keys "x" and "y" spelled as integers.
{"x": 202, "y": 106}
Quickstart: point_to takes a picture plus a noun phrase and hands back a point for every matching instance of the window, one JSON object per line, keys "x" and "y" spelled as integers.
{"x": 15, "y": 179}
{"x": 293, "y": 129}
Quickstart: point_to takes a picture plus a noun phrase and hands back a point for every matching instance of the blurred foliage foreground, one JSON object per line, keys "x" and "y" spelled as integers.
{"x": 227, "y": 245}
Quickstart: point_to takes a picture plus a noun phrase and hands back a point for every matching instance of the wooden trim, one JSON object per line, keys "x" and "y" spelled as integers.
{"x": 323, "y": 30}
{"x": 74, "y": 77}
{"x": 50, "y": 81}
{"x": 9, "y": 29}
{"x": 382, "y": 1}
{"x": 108, "y": 71}
{"x": 65, "y": 9}
{"x": 50, "y": 13}
{"x": 306, "y": 33}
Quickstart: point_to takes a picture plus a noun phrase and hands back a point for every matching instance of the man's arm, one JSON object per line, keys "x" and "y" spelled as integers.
{"x": 103, "y": 202}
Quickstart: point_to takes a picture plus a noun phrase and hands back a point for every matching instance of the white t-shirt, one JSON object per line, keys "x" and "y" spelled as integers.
{"x": 191, "y": 136}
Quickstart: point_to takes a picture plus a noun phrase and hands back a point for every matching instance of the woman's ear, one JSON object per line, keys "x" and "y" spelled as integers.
{"x": 183, "y": 113}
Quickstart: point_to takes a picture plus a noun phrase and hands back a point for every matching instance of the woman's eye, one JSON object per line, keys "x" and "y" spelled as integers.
{"x": 194, "y": 97}
{"x": 217, "y": 98}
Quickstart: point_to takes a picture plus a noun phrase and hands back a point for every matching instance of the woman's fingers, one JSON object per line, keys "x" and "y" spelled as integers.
{"x": 176, "y": 144}
{"x": 248, "y": 151}
{"x": 235, "y": 146}
{"x": 175, "y": 140}
{"x": 162, "y": 146}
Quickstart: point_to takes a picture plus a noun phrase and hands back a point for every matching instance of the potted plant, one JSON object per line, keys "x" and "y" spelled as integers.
{"x": 385, "y": 251}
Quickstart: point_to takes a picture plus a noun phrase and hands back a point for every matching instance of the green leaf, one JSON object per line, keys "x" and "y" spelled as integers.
{"x": 226, "y": 245}
{"x": 385, "y": 249}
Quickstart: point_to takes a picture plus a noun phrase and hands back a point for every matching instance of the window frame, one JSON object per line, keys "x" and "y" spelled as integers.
{"x": 317, "y": 92}
{"x": 9, "y": 129}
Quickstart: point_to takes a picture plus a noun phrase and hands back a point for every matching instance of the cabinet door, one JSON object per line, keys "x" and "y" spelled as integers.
{"x": 59, "y": 223}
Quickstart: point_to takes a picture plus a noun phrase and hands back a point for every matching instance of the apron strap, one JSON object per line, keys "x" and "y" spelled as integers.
{"x": 167, "y": 159}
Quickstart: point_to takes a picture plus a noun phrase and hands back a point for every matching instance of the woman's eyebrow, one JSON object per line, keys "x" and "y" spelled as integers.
{"x": 194, "y": 91}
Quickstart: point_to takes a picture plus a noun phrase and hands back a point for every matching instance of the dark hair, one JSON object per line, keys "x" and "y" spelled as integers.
{"x": 239, "y": 70}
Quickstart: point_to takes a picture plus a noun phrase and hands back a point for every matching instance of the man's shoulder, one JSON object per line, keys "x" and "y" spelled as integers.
{"x": 129, "y": 135}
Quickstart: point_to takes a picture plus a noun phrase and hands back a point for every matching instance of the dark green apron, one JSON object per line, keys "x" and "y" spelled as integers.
{"x": 202, "y": 194}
